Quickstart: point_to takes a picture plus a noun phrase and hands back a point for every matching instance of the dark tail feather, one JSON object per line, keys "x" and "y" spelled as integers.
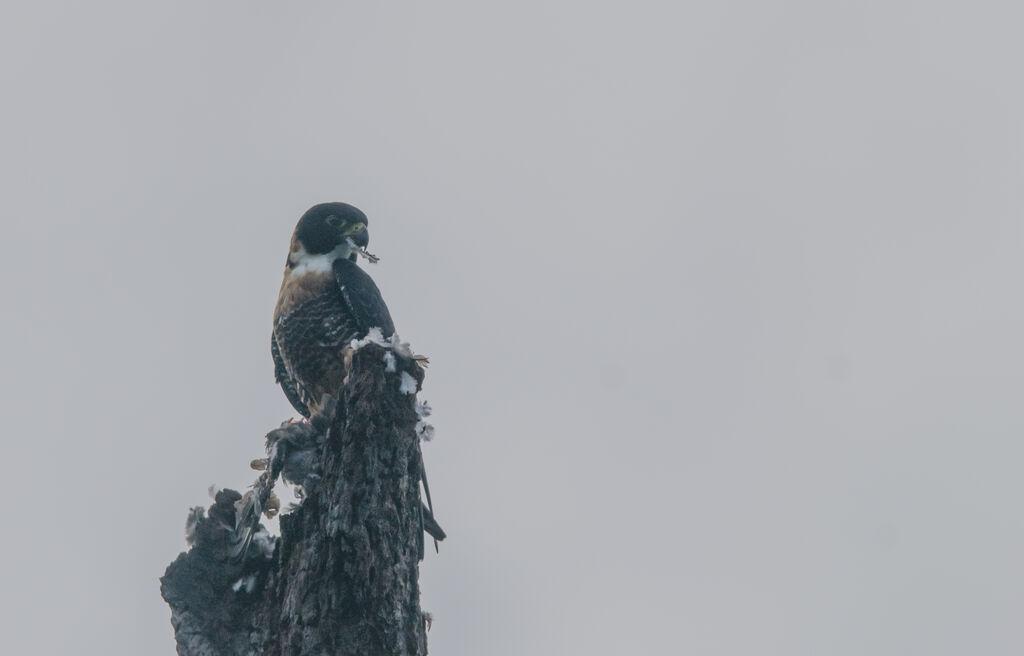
{"x": 430, "y": 524}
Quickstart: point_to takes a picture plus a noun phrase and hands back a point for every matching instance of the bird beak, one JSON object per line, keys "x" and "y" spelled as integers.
{"x": 360, "y": 238}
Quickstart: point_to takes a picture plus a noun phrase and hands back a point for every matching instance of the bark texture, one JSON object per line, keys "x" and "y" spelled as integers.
{"x": 343, "y": 578}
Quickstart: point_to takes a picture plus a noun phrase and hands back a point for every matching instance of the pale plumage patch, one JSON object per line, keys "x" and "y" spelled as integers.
{"x": 303, "y": 263}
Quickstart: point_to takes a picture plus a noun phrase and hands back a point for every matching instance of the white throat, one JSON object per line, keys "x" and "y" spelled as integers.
{"x": 303, "y": 263}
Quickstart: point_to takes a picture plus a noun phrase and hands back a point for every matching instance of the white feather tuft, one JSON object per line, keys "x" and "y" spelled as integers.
{"x": 408, "y": 385}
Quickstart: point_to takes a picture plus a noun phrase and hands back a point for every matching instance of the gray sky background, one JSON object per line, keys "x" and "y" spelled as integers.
{"x": 722, "y": 301}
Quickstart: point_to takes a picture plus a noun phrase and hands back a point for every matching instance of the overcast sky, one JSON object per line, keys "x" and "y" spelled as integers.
{"x": 722, "y": 302}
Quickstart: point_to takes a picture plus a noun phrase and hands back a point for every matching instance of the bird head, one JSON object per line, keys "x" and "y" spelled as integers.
{"x": 330, "y": 226}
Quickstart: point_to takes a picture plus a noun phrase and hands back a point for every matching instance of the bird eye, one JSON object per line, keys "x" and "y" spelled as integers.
{"x": 333, "y": 221}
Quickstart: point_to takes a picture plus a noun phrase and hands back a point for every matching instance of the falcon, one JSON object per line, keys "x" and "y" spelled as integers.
{"x": 326, "y": 301}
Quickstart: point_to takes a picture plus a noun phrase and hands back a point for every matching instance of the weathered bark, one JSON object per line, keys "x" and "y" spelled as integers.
{"x": 343, "y": 577}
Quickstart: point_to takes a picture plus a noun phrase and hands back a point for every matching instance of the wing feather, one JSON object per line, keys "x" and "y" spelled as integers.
{"x": 362, "y": 298}
{"x": 285, "y": 380}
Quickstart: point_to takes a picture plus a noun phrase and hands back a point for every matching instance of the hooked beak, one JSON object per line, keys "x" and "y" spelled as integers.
{"x": 359, "y": 237}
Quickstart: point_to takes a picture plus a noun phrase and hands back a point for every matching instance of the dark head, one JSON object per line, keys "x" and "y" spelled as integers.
{"x": 328, "y": 225}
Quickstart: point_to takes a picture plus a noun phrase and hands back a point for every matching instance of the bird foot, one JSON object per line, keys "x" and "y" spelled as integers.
{"x": 373, "y": 259}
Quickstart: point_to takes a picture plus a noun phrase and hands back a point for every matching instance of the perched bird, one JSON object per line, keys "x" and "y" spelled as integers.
{"x": 326, "y": 301}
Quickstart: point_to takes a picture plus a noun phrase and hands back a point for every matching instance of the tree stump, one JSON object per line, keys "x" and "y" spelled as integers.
{"x": 343, "y": 578}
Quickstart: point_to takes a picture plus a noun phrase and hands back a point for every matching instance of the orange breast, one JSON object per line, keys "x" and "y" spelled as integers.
{"x": 297, "y": 289}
